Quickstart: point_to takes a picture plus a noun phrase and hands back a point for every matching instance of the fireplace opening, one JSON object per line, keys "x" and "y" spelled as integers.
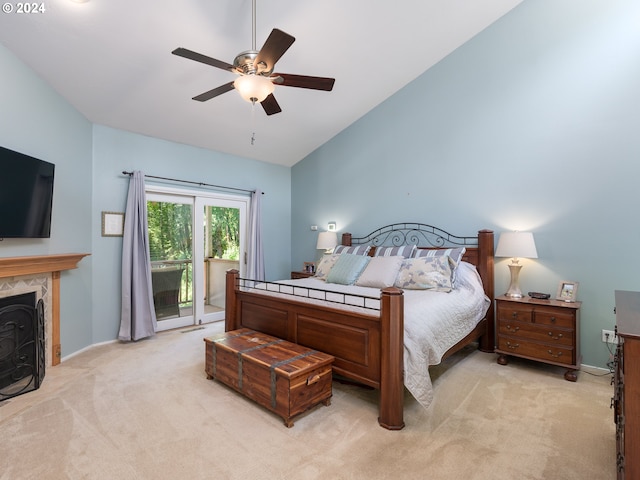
{"x": 22, "y": 344}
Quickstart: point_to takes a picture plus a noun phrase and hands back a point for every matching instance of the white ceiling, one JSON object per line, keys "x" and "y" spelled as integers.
{"x": 111, "y": 59}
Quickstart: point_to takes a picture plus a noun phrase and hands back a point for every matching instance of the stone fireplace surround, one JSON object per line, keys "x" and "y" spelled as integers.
{"x": 40, "y": 274}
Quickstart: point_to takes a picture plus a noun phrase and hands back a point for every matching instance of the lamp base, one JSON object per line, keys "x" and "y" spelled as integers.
{"x": 514, "y": 288}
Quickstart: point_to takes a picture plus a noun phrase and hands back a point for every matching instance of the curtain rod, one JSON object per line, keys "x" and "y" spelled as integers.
{"x": 200, "y": 184}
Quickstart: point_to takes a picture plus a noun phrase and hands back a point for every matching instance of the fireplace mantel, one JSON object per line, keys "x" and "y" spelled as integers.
{"x": 45, "y": 264}
{"x": 14, "y": 266}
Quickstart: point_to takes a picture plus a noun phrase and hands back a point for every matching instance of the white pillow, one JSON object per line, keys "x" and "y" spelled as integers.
{"x": 381, "y": 272}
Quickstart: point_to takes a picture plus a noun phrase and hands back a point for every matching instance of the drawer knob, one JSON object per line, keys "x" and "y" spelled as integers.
{"x": 512, "y": 346}
{"x": 557, "y": 337}
{"x": 515, "y": 329}
{"x": 555, "y": 355}
{"x": 514, "y": 315}
{"x": 553, "y": 319}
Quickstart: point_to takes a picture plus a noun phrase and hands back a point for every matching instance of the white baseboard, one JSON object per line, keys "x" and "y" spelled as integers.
{"x": 71, "y": 355}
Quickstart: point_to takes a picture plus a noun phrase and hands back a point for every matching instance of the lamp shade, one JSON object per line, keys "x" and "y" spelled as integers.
{"x": 516, "y": 245}
{"x": 254, "y": 88}
{"x": 327, "y": 240}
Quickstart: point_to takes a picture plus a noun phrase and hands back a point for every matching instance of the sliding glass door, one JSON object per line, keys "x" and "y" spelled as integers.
{"x": 194, "y": 239}
{"x": 220, "y": 244}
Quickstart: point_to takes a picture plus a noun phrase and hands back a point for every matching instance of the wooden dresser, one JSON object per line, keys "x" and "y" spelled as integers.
{"x": 626, "y": 397}
{"x": 543, "y": 330}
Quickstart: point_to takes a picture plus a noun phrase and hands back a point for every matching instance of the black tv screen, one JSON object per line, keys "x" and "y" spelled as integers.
{"x": 26, "y": 195}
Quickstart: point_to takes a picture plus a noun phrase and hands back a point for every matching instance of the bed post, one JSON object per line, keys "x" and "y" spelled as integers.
{"x": 230, "y": 307}
{"x": 391, "y": 359}
{"x": 346, "y": 239}
{"x": 485, "y": 268}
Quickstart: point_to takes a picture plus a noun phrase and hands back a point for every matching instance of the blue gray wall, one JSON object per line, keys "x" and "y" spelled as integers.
{"x": 36, "y": 121}
{"x": 532, "y": 125}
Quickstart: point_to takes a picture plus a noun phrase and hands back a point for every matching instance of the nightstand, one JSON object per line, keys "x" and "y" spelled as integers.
{"x": 542, "y": 330}
{"x": 295, "y": 275}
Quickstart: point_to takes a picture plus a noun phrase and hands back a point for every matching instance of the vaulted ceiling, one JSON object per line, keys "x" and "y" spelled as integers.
{"x": 111, "y": 60}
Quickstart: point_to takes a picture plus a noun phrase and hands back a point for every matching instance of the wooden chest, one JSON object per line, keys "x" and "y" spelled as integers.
{"x": 283, "y": 377}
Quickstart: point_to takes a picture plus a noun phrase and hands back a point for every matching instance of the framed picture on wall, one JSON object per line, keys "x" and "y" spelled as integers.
{"x": 112, "y": 224}
{"x": 309, "y": 267}
{"x": 567, "y": 291}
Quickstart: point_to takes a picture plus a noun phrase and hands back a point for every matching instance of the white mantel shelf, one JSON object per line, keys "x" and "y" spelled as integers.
{"x": 45, "y": 264}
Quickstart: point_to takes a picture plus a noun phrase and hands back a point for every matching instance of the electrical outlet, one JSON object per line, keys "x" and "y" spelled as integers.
{"x": 609, "y": 336}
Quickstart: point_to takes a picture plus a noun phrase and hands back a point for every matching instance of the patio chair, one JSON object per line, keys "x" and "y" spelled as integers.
{"x": 166, "y": 291}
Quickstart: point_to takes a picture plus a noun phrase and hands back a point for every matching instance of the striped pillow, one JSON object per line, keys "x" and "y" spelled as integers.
{"x": 354, "y": 250}
{"x": 456, "y": 254}
{"x": 405, "y": 251}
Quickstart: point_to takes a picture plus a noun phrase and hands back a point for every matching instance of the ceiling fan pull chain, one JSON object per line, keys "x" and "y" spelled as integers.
{"x": 253, "y": 122}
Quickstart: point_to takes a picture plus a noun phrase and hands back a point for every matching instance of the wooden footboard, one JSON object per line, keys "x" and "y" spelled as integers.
{"x": 367, "y": 348}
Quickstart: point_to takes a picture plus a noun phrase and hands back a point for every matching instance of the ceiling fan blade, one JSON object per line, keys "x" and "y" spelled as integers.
{"x": 303, "y": 81}
{"x": 203, "y": 97}
{"x": 270, "y": 105}
{"x": 198, "y": 57}
{"x": 275, "y": 46}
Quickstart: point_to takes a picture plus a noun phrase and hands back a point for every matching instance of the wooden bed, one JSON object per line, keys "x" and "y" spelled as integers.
{"x": 367, "y": 349}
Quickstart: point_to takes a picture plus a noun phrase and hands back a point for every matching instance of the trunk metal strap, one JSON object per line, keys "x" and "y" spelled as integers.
{"x": 214, "y": 350}
{"x": 278, "y": 364}
{"x": 251, "y": 349}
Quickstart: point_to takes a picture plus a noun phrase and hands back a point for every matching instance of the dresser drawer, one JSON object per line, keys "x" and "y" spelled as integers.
{"x": 541, "y": 333}
{"x": 515, "y": 312}
{"x": 538, "y": 351}
{"x": 553, "y": 317}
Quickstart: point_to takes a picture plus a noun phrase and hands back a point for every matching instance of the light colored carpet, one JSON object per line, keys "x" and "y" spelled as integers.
{"x": 147, "y": 411}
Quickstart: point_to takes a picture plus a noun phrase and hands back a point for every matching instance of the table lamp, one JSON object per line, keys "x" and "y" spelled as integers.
{"x": 327, "y": 241}
{"x": 516, "y": 245}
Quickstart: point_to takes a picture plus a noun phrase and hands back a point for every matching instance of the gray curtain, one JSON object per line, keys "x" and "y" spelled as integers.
{"x": 137, "y": 317}
{"x": 255, "y": 261}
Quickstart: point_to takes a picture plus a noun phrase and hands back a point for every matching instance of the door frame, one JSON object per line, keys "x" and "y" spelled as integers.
{"x": 198, "y": 197}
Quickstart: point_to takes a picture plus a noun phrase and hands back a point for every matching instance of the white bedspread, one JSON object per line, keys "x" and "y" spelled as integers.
{"x": 433, "y": 321}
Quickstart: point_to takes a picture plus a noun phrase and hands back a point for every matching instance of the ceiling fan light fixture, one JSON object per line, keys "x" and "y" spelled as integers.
{"x": 254, "y": 88}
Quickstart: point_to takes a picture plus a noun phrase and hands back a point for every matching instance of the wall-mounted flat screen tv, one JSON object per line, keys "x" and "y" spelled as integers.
{"x": 26, "y": 195}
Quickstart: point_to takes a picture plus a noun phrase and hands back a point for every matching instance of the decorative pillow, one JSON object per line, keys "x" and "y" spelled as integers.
{"x": 405, "y": 251}
{"x": 347, "y": 268}
{"x": 426, "y": 273}
{"x": 381, "y": 272}
{"x": 455, "y": 253}
{"x": 325, "y": 265}
{"x": 354, "y": 250}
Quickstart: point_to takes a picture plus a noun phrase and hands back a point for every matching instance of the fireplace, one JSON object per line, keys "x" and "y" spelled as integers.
{"x": 22, "y": 344}
{"x": 40, "y": 274}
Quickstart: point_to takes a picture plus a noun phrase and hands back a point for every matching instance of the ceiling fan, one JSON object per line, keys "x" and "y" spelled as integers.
{"x": 256, "y": 81}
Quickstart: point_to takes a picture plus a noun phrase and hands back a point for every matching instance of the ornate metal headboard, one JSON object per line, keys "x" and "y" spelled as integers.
{"x": 422, "y": 235}
{"x": 479, "y": 252}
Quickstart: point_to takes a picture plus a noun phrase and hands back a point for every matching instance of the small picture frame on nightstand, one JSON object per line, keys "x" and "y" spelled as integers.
{"x": 309, "y": 267}
{"x": 567, "y": 291}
